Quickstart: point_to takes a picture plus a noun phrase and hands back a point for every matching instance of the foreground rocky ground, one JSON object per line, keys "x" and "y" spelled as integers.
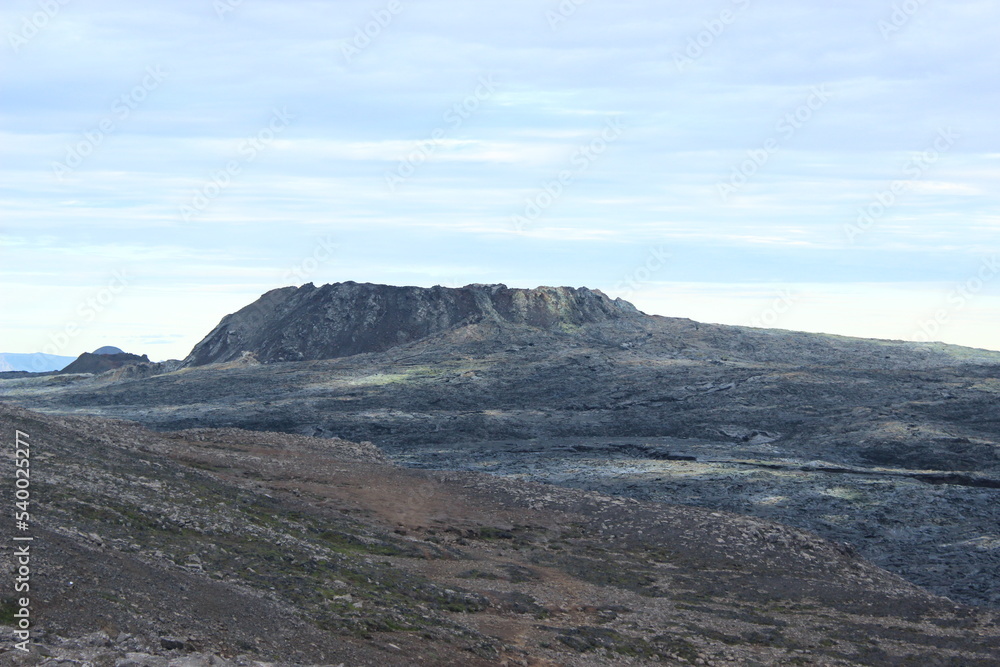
{"x": 891, "y": 447}
{"x": 229, "y": 547}
{"x": 936, "y": 529}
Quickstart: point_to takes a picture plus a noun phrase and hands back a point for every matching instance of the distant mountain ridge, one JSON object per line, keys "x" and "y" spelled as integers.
{"x": 342, "y": 319}
{"x": 35, "y": 362}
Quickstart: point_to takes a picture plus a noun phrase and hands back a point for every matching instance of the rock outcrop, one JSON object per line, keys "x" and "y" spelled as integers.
{"x": 99, "y": 362}
{"x": 342, "y": 319}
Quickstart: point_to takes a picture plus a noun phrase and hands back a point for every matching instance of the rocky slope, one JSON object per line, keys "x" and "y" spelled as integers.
{"x": 892, "y": 447}
{"x": 308, "y": 322}
{"x": 227, "y": 547}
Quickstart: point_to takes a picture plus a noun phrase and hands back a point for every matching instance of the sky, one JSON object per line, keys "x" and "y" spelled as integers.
{"x": 827, "y": 167}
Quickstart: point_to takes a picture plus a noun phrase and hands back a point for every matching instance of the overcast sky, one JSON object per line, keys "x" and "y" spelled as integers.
{"x": 826, "y": 167}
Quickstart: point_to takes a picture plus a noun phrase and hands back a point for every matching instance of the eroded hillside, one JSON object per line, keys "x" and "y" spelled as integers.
{"x": 255, "y": 546}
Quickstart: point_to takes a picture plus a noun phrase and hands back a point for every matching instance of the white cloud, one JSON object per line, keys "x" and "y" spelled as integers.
{"x": 685, "y": 131}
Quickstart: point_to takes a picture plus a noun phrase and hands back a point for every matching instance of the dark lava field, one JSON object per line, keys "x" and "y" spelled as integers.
{"x": 890, "y": 450}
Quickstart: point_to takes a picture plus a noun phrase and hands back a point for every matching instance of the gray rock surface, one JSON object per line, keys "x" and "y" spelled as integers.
{"x": 207, "y": 547}
{"x": 891, "y": 447}
{"x": 309, "y": 322}
{"x": 100, "y": 362}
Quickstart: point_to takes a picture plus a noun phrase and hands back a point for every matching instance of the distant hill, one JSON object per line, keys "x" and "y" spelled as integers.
{"x": 109, "y": 349}
{"x": 36, "y": 362}
{"x": 342, "y": 319}
{"x": 99, "y": 363}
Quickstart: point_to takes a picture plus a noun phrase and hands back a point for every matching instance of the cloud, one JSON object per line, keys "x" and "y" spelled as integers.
{"x": 556, "y": 83}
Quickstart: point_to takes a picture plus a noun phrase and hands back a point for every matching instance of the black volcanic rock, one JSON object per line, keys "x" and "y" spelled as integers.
{"x": 342, "y": 319}
{"x": 99, "y": 363}
{"x": 891, "y": 447}
{"x": 291, "y": 551}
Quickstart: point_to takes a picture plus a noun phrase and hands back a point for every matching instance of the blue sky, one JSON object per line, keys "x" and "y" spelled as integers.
{"x": 826, "y": 168}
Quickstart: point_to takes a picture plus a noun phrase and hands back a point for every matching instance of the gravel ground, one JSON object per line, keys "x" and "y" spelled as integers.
{"x": 225, "y": 548}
